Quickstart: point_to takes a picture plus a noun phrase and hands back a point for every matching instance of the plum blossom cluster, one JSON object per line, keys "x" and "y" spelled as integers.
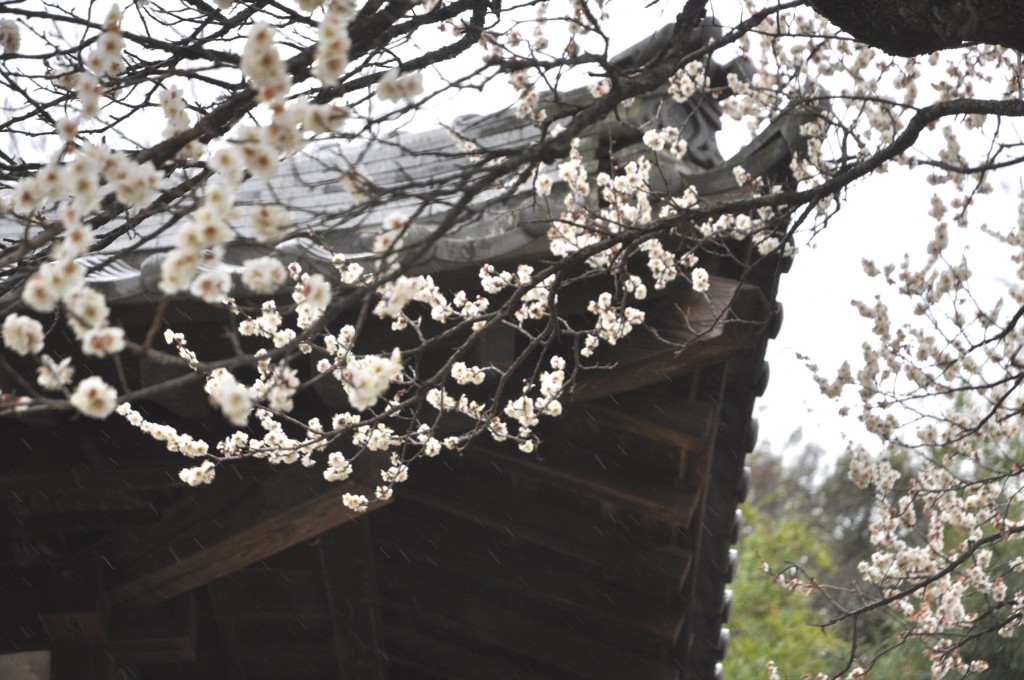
{"x": 105, "y": 59}
{"x": 262, "y": 64}
{"x": 528, "y": 96}
{"x": 334, "y": 43}
{"x": 524, "y": 410}
{"x": 666, "y": 139}
{"x": 232, "y": 398}
{"x": 175, "y": 441}
{"x": 688, "y": 80}
{"x": 394, "y": 296}
{"x": 172, "y": 101}
{"x": 75, "y": 184}
{"x": 394, "y": 85}
{"x": 613, "y": 322}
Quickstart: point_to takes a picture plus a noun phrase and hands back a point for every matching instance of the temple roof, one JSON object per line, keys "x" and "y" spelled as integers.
{"x": 607, "y": 556}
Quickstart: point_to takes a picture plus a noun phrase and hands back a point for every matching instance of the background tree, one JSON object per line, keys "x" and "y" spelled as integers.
{"x": 806, "y": 518}
{"x": 604, "y": 169}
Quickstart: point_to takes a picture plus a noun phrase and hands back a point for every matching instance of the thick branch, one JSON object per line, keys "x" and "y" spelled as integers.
{"x": 911, "y": 27}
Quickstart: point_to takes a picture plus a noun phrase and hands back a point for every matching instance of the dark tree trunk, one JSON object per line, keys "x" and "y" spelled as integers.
{"x": 912, "y": 27}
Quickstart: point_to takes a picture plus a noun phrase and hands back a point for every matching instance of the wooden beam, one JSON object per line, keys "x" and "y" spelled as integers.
{"x": 660, "y": 417}
{"x": 266, "y": 593}
{"x": 164, "y": 633}
{"x": 346, "y": 562}
{"x": 633, "y": 562}
{"x": 532, "y": 638}
{"x": 430, "y": 545}
{"x": 660, "y": 499}
{"x": 291, "y": 506}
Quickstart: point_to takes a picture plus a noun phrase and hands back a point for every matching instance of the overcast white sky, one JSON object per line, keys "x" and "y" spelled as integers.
{"x": 883, "y": 218}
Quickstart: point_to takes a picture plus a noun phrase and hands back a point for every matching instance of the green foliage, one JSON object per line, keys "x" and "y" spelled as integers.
{"x": 816, "y": 518}
{"x": 807, "y": 514}
{"x": 769, "y": 622}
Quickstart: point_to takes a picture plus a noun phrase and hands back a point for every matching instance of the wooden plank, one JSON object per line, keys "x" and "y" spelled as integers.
{"x": 635, "y": 563}
{"x": 346, "y": 563}
{"x": 290, "y": 507}
{"x": 224, "y": 618}
{"x": 657, "y": 416}
{"x": 661, "y": 499}
{"x": 657, "y": 368}
{"x": 197, "y": 505}
{"x": 267, "y": 593}
{"x": 431, "y": 545}
{"x": 713, "y": 385}
{"x": 445, "y": 660}
{"x": 72, "y": 610}
{"x": 82, "y": 480}
{"x": 524, "y": 635}
{"x": 84, "y": 521}
{"x": 165, "y": 633}
{"x": 80, "y": 661}
{"x": 295, "y": 659}
{"x": 75, "y": 623}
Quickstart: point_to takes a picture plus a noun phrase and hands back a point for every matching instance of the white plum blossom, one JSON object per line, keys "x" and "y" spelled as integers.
{"x": 105, "y": 58}
{"x": 231, "y": 397}
{"x": 199, "y": 475}
{"x": 355, "y": 502}
{"x": 395, "y": 295}
{"x": 390, "y": 236}
{"x": 662, "y": 138}
{"x": 94, "y": 398}
{"x": 206, "y": 230}
{"x": 333, "y": 45}
{"x": 264, "y": 275}
{"x": 467, "y": 375}
{"x": 366, "y": 378}
{"x": 10, "y": 36}
{"x": 262, "y": 64}
{"x": 54, "y": 376}
{"x": 104, "y": 341}
{"x": 700, "y": 280}
{"x": 338, "y": 468}
{"x": 394, "y": 85}
{"x": 543, "y": 184}
{"x": 50, "y": 283}
{"x": 613, "y": 322}
{"x": 271, "y": 223}
{"x": 22, "y": 334}
{"x": 312, "y": 293}
{"x": 177, "y": 269}
{"x": 212, "y": 287}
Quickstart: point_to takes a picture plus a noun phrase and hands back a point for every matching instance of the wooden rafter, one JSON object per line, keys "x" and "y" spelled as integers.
{"x": 288, "y": 507}
{"x": 700, "y": 330}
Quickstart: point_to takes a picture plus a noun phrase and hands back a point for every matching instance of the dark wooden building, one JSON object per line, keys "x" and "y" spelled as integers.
{"x": 606, "y": 556}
